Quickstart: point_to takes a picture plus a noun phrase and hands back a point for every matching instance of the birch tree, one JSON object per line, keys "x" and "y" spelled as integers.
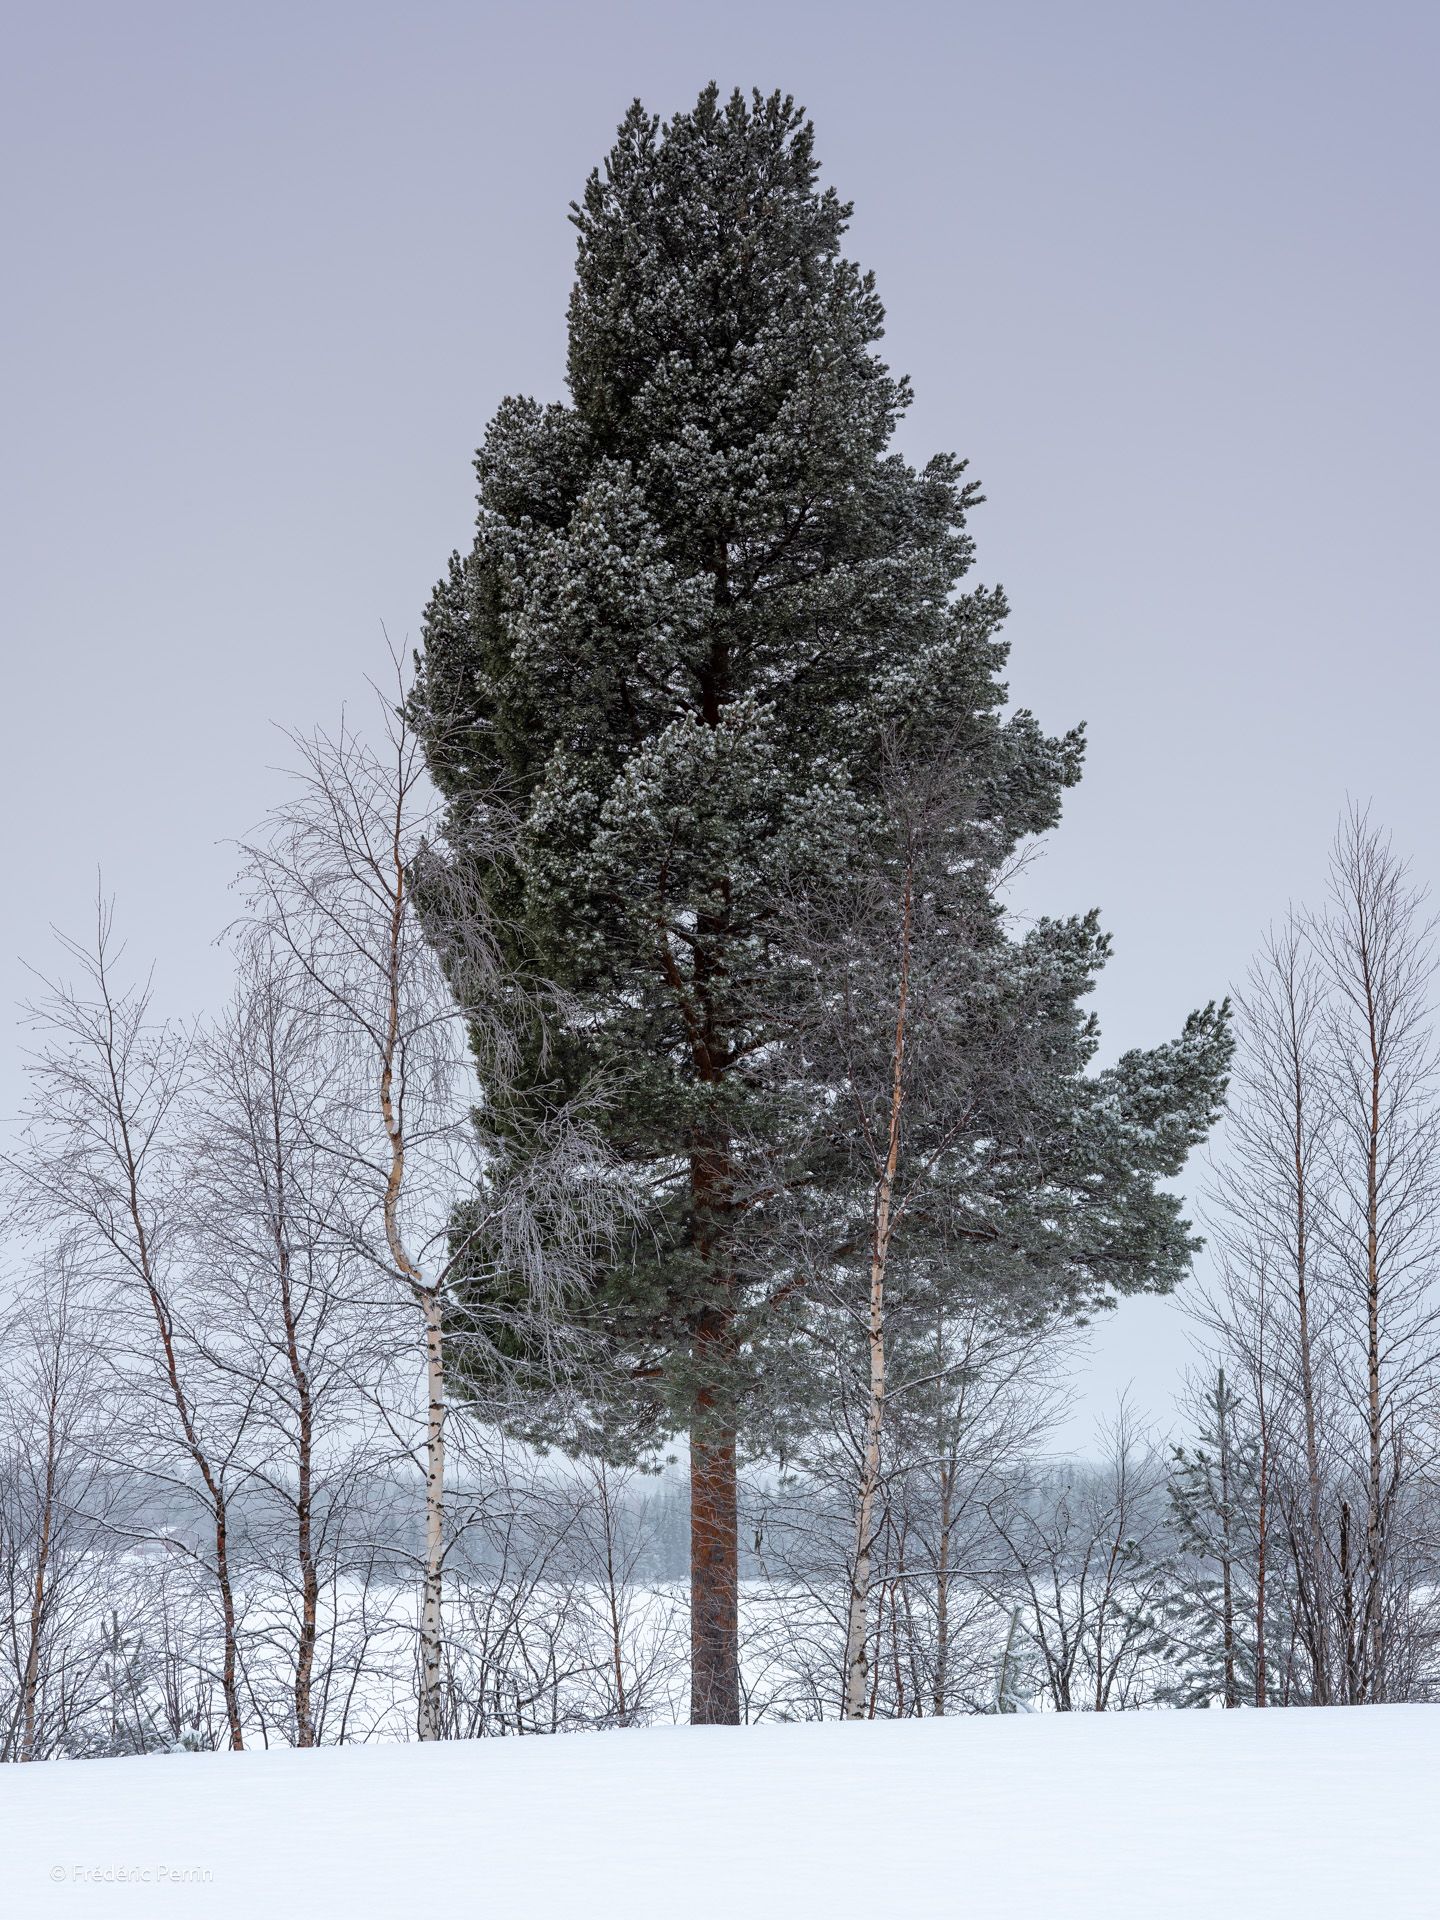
{"x": 57, "y": 1557}
{"x": 303, "y": 1341}
{"x": 100, "y": 1162}
{"x": 967, "y": 1160}
{"x": 1272, "y": 1304}
{"x": 1376, "y": 943}
{"x": 1083, "y": 1552}
{"x": 337, "y": 883}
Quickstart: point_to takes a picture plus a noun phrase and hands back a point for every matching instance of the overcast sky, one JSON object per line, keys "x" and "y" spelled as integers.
{"x": 1165, "y": 274}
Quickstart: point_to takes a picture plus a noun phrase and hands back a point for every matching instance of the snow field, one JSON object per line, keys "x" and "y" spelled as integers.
{"x": 1072, "y": 1817}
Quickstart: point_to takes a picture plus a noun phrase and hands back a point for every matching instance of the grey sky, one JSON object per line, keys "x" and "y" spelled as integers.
{"x": 1165, "y": 273}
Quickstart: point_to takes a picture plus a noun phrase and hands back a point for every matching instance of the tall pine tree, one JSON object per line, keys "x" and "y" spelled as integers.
{"x": 704, "y": 600}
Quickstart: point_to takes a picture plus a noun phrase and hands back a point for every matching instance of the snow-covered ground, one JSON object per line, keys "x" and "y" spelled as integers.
{"x": 1165, "y": 1815}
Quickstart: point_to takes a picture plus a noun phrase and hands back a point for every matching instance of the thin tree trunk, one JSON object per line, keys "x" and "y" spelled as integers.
{"x": 942, "y": 1591}
{"x": 120, "y": 1109}
{"x": 898, "y": 1599}
{"x": 1320, "y": 1652}
{"x": 428, "y": 1299}
{"x": 219, "y": 1505}
{"x": 1227, "y": 1600}
{"x": 305, "y": 1439}
{"x": 1378, "y": 946}
{"x": 1262, "y": 1544}
{"x": 432, "y": 1595}
{"x": 1374, "y": 1495}
{"x": 612, "y": 1598}
{"x": 1353, "y": 1689}
{"x": 1003, "y": 1702}
{"x": 855, "y": 1637}
{"x": 855, "y": 1664}
{"x": 305, "y": 1555}
{"x": 229, "y": 1672}
{"x": 1299, "y": 1091}
{"x": 30, "y": 1683}
{"x": 229, "y": 1675}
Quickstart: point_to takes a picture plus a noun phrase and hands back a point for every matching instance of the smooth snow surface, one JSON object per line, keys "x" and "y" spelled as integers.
{"x": 1072, "y": 1817}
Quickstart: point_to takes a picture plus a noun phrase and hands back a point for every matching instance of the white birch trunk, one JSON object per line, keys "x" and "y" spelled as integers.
{"x": 428, "y": 1298}
{"x": 431, "y": 1615}
{"x": 856, "y": 1665}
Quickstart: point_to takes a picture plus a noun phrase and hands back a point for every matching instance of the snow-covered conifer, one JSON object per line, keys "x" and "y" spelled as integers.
{"x": 704, "y": 594}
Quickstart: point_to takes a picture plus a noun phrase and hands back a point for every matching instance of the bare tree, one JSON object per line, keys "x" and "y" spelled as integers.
{"x": 1382, "y": 1221}
{"x": 99, "y": 1162}
{"x": 981, "y": 1392}
{"x": 57, "y": 1559}
{"x": 301, "y": 1335}
{"x": 995, "y": 1392}
{"x": 1082, "y": 1553}
{"x": 1272, "y": 1307}
{"x": 638, "y": 1624}
{"x": 1324, "y": 1298}
{"x": 337, "y": 883}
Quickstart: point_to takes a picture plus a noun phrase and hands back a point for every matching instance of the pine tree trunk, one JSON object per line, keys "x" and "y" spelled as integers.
{"x": 714, "y": 1577}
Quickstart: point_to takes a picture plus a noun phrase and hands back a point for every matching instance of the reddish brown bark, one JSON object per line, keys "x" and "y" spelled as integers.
{"x": 714, "y": 1581}
{"x": 714, "y": 1501}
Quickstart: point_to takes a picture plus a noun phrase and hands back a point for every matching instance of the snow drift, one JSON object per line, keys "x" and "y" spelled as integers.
{"x": 1166, "y": 1815}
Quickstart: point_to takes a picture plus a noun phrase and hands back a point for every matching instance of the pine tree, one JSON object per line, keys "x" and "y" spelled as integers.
{"x": 704, "y": 600}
